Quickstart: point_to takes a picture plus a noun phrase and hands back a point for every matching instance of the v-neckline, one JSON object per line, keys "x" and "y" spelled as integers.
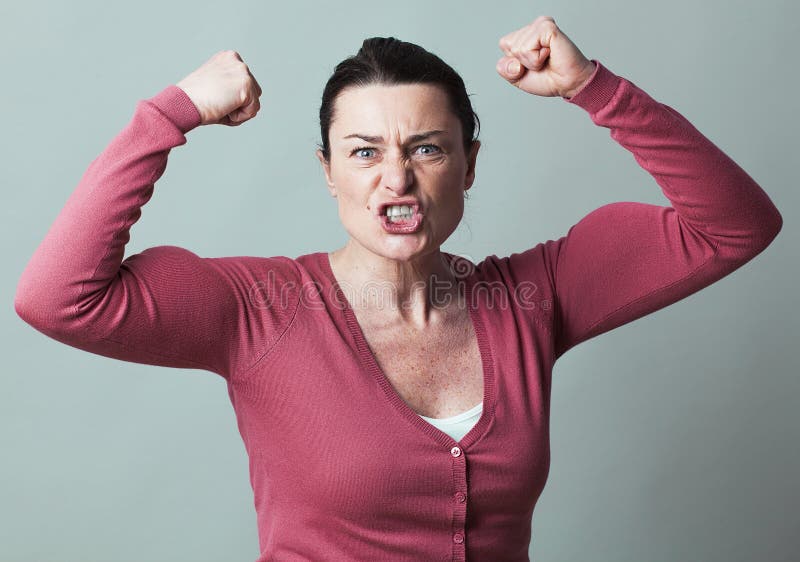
{"x": 369, "y": 360}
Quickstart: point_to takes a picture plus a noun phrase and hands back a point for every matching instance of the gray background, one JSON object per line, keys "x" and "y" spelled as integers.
{"x": 673, "y": 437}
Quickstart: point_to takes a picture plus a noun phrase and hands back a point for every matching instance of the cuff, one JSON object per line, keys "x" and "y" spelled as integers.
{"x": 597, "y": 91}
{"x": 178, "y": 107}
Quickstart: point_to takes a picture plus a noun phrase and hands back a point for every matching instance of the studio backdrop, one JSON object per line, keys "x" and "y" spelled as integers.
{"x": 672, "y": 437}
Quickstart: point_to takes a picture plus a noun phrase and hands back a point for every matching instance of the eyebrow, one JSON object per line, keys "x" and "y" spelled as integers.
{"x": 412, "y": 138}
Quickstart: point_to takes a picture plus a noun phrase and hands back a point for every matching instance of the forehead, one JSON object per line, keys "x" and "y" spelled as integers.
{"x": 378, "y": 107}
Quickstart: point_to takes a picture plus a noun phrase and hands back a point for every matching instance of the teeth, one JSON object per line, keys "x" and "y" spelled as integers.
{"x": 399, "y": 212}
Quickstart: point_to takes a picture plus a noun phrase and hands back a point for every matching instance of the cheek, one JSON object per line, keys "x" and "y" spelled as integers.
{"x": 352, "y": 204}
{"x": 353, "y": 188}
{"x": 457, "y": 209}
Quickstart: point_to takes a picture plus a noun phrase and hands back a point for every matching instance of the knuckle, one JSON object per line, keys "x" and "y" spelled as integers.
{"x": 506, "y": 43}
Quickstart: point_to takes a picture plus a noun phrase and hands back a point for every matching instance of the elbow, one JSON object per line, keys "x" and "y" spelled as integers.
{"x": 778, "y": 223}
{"x": 47, "y": 318}
{"x": 21, "y": 303}
{"x": 767, "y": 232}
{"x": 49, "y": 309}
{"x": 40, "y": 307}
{"x": 773, "y": 228}
{"x": 25, "y": 305}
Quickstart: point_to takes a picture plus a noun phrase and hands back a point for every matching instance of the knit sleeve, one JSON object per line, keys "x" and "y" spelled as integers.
{"x": 627, "y": 259}
{"x": 165, "y": 305}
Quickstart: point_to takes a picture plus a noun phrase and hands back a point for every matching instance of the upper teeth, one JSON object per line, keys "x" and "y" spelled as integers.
{"x": 393, "y": 210}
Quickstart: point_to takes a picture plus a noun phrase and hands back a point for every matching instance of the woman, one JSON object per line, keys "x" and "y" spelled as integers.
{"x": 411, "y": 423}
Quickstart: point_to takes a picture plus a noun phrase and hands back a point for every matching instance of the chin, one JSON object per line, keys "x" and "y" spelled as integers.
{"x": 405, "y": 250}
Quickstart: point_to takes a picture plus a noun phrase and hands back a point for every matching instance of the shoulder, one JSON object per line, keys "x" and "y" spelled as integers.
{"x": 509, "y": 269}
{"x": 523, "y": 280}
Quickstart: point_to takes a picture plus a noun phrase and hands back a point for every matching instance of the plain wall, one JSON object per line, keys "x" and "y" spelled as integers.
{"x": 673, "y": 437}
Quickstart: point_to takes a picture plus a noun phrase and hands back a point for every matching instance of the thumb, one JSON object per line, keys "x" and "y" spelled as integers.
{"x": 510, "y": 68}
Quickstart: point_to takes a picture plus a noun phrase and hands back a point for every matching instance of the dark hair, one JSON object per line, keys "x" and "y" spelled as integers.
{"x": 389, "y": 61}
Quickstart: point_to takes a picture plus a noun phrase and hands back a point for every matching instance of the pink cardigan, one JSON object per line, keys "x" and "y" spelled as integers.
{"x": 341, "y": 467}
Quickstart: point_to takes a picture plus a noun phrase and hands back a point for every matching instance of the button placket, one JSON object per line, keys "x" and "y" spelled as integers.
{"x": 459, "y": 498}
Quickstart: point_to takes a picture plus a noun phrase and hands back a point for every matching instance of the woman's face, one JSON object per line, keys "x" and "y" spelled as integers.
{"x": 396, "y": 144}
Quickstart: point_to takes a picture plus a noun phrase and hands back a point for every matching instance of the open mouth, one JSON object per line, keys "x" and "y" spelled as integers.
{"x": 400, "y": 213}
{"x": 401, "y": 219}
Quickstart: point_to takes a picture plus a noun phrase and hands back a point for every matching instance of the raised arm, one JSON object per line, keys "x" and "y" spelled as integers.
{"x": 163, "y": 306}
{"x": 627, "y": 259}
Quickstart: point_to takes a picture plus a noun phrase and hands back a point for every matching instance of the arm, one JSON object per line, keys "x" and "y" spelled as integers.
{"x": 164, "y": 306}
{"x": 626, "y": 259}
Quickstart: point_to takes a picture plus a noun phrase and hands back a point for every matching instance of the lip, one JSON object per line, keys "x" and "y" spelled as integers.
{"x": 403, "y": 227}
{"x": 413, "y": 203}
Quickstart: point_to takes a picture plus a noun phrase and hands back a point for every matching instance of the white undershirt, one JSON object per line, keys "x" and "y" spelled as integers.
{"x": 457, "y": 426}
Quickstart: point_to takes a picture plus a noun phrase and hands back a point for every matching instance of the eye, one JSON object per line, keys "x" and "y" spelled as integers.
{"x": 429, "y": 146}
{"x": 359, "y": 149}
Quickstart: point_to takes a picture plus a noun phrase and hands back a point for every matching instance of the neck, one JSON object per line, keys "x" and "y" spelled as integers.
{"x": 418, "y": 291}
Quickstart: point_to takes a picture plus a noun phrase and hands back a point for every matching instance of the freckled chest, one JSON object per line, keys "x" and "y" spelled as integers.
{"x": 437, "y": 372}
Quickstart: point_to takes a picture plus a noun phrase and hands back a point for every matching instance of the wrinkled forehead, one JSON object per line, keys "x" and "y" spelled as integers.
{"x": 391, "y": 110}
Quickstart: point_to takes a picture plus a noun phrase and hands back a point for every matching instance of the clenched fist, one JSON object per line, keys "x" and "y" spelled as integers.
{"x": 540, "y": 59}
{"x": 223, "y": 90}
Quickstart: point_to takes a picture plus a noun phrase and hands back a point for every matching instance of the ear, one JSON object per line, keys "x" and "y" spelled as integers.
{"x": 326, "y": 167}
{"x": 471, "y": 159}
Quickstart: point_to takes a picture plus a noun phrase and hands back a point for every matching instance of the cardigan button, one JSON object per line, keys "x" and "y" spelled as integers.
{"x": 455, "y": 451}
{"x": 458, "y": 538}
{"x": 461, "y": 497}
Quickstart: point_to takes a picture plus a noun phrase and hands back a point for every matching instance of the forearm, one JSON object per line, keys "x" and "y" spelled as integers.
{"x": 709, "y": 191}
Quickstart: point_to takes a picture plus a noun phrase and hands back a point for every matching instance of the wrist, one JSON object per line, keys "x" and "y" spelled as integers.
{"x": 189, "y": 94}
{"x": 586, "y": 75}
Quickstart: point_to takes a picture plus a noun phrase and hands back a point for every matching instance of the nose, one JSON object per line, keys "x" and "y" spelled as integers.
{"x": 397, "y": 174}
